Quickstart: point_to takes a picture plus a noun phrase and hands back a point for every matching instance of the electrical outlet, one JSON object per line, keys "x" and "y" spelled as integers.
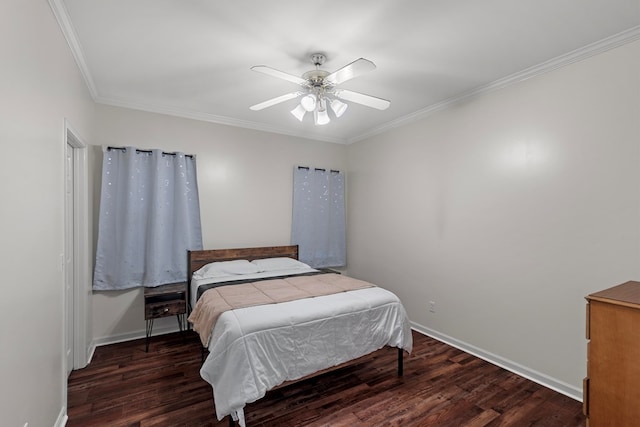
{"x": 432, "y": 306}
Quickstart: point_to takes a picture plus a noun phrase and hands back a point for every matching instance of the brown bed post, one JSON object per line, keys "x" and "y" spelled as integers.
{"x": 400, "y": 362}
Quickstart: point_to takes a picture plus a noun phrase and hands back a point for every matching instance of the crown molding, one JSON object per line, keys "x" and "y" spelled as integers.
{"x": 577, "y": 55}
{"x": 64, "y": 21}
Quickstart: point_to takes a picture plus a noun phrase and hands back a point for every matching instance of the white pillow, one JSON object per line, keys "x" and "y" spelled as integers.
{"x": 282, "y": 263}
{"x": 226, "y": 268}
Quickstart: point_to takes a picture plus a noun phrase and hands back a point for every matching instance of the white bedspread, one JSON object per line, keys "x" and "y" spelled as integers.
{"x": 257, "y": 348}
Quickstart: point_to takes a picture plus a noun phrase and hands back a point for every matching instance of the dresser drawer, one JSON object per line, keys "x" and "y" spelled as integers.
{"x": 157, "y": 309}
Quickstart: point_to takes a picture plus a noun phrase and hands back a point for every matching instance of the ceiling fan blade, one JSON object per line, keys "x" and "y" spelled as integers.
{"x": 274, "y": 101}
{"x": 361, "y": 98}
{"x": 279, "y": 74}
{"x": 355, "y": 69}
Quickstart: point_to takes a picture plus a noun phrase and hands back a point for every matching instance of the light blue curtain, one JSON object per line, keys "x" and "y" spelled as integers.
{"x": 318, "y": 223}
{"x": 149, "y": 218}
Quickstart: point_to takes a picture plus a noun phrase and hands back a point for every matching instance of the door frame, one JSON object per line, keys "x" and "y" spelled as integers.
{"x": 81, "y": 260}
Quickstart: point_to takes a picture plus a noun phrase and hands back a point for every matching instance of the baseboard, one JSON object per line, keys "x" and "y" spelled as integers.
{"x": 62, "y": 418}
{"x": 535, "y": 376}
{"x": 129, "y": 336}
{"x": 91, "y": 351}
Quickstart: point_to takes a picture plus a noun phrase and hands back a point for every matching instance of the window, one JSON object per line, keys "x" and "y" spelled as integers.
{"x": 149, "y": 218}
{"x": 318, "y": 224}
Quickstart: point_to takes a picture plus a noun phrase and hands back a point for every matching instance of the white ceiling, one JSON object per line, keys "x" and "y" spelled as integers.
{"x": 192, "y": 58}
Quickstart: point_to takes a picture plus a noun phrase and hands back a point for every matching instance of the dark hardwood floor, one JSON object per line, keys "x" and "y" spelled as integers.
{"x": 441, "y": 386}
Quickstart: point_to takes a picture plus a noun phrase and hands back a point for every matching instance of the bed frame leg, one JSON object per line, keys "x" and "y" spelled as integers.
{"x": 400, "y": 362}
{"x": 231, "y": 422}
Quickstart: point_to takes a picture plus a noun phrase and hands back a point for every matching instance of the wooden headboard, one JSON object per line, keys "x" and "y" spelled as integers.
{"x": 198, "y": 259}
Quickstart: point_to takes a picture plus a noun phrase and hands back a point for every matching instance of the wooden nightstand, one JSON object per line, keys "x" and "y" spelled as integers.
{"x": 163, "y": 301}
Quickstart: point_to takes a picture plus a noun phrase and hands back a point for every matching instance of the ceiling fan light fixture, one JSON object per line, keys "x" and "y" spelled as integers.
{"x": 299, "y": 112}
{"x": 319, "y": 89}
{"x": 338, "y": 107}
{"x": 321, "y": 117}
{"x": 308, "y": 102}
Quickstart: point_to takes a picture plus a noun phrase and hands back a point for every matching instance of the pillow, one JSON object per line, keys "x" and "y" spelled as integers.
{"x": 226, "y": 268}
{"x": 282, "y": 263}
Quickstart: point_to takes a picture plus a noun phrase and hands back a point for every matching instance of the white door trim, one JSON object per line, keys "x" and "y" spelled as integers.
{"x": 68, "y": 257}
{"x": 82, "y": 263}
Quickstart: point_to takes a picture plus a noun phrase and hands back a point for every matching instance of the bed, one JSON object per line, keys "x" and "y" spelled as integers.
{"x": 312, "y": 321}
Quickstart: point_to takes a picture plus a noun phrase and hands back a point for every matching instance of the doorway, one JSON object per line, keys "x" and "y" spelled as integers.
{"x": 77, "y": 282}
{"x": 69, "y": 256}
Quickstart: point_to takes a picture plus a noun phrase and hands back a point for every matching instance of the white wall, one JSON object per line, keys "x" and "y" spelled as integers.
{"x": 245, "y": 181}
{"x": 506, "y": 210}
{"x": 40, "y": 86}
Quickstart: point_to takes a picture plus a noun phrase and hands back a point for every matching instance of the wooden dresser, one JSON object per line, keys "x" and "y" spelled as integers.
{"x": 612, "y": 385}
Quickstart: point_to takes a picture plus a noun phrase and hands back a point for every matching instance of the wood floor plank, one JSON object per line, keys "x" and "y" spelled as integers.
{"x": 124, "y": 386}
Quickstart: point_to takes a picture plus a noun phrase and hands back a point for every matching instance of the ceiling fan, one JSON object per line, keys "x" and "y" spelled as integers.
{"x": 319, "y": 90}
